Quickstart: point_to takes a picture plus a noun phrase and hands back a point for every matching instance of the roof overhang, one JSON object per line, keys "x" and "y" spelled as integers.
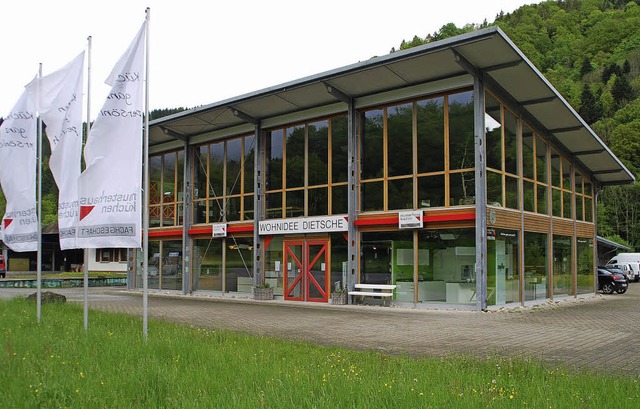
{"x": 488, "y": 53}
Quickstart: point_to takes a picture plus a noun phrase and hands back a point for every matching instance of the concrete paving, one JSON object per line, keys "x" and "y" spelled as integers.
{"x": 597, "y": 333}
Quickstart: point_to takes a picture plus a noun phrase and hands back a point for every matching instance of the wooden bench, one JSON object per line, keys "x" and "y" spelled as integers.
{"x": 385, "y": 291}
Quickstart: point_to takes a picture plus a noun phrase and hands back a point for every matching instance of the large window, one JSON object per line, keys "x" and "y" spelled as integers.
{"x": 306, "y": 169}
{"x": 223, "y": 184}
{"x": 561, "y": 186}
{"x": 166, "y": 204}
{"x": 536, "y": 270}
{"x": 585, "y": 266}
{"x": 164, "y": 265}
{"x": 562, "y": 265}
{"x": 503, "y": 277}
{"x": 501, "y": 127}
{"x": 409, "y": 143}
{"x": 223, "y": 264}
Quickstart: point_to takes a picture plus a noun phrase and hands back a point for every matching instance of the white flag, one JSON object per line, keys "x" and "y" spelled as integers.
{"x": 60, "y": 108}
{"x": 109, "y": 190}
{"x": 18, "y": 175}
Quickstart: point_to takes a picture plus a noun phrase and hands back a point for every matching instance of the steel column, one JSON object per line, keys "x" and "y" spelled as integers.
{"x": 258, "y": 199}
{"x": 187, "y": 217}
{"x": 481, "y": 193}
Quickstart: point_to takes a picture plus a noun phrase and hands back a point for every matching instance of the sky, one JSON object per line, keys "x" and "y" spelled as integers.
{"x": 203, "y": 52}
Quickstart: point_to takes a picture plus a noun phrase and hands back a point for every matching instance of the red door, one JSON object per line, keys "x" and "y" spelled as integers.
{"x": 305, "y": 271}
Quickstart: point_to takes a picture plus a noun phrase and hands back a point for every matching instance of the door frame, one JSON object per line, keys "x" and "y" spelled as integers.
{"x": 305, "y": 278}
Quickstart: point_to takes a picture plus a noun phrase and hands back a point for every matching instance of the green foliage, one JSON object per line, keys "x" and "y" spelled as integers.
{"x": 590, "y": 51}
{"x": 57, "y": 363}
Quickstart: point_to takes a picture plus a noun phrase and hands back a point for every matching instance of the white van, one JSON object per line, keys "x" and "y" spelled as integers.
{"x": 632, "y": 259}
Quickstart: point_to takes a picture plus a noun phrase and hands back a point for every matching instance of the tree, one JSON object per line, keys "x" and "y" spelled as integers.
{"x": 590, "y": 110}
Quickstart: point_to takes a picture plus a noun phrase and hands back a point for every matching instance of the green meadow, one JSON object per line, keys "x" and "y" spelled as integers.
{"x": 57, "y": 364}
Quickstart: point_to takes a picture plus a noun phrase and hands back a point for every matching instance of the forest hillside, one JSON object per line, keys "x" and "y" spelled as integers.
{"x": 590, "y": 51}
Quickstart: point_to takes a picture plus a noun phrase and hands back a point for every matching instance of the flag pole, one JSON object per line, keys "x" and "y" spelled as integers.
{"x": 85, "y": 262}
{"x": 145, "y": 184}
{"x": 39, "y": 200}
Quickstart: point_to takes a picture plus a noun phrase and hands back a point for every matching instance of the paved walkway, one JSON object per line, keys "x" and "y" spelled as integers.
{"x": 599, "y": 333}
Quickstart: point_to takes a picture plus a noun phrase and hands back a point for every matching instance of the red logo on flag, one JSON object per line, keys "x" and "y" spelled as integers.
{"x": 85, "y": 210}
{"x": 7, "y": 222}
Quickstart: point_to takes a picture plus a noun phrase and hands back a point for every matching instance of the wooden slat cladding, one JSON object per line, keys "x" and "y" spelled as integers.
{"x": 585, "y": 229}
{"x": 503, "y": 218}
{"x": 537, "y": 223}
{"x": 562, "y": 226}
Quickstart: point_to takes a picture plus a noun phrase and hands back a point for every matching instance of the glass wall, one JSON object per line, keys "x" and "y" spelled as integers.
{"x": 446, "y": 259}
{"x": 536, "y": 270}
{"x": 586, "y": 270}
{"x": 445, "y": 270}
{"x": 166, "y": 173}
{"x": 207, "y": 264}
{"x": 562, "y": 265}
{"x": 223, "y": 261}
{"x": 339, "y": 258}
{"x": 503, "y": 277}
{"x": 306, "y": 169}
{"x": 223, "y": 183}
{"x": 398, "y": 142}
{"x": 164, "y": 265}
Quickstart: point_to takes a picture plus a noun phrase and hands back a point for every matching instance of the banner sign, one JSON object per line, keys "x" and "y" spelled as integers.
{"x": 109, "y": 189}
{"x": 61, "y": 111}
{"x": 219, "y": 230}
{"x": 18, "y": 175}
{"x": 302, "y": 225}
{"x": 411, "y": 219}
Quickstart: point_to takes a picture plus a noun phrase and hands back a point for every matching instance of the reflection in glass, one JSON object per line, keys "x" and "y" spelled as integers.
{"x": 234, "y": 166}
{"x": 562, "y": 277}
{"x": 512, "y": 193}
{"x": 400, "y": 140}
{"x": 536, "y": 274}
{"x": 461, "y": 131}
{"x": 430, "y": 118}
{"x": 446, "y": 259}
{"x": 372, "y": 198}
{"x": 207, "y": 264}
{"x": 171, "y": 270}
{"x": 462, "y": 187}
{"x": 339, "y": 149}
{"x": 494, "y": 189}
{"x": 503, "y": 277}
{"x": 318, "y": 153}
{"x": 400, "y": 194}
{"x": 541, "y": 160}
{"x": 528, "y": 157}
{"x": 295, "y": 156}
{"x": 295, "y": 203}
{"x": 431, "y": 191}
{"x": 273, "y": 178}
{"x": 339, "y": 200}
{"x": 216, "y": 169}
{"x": 318, "y": 202}
{"x": 493, "y": 127}
{"x": 238, "y": 269}
{"x": 585, "y": 266}
{"x": 529, "y": 196}
{"x": 371, "y": 138}
{"x": 510, "y": 142}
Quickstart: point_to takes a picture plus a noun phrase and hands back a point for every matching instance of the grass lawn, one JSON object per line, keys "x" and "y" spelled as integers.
{"x": 58, "y": 364}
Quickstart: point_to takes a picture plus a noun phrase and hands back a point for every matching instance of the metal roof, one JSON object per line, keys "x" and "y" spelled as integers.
{"x": 489, "y": 52}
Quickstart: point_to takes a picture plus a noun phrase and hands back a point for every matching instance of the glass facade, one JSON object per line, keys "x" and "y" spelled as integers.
{"x": 164, "y": 265}
{"x": 413, "y": 153}
{"x": 223, "y": 181}
{"x": 224, "y": 265}
{"x": 166, "y": 177}
{"x": 306, "y": 169}
{"x": 416, "y": 154}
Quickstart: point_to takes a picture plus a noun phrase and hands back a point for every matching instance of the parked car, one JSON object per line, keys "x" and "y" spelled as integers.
{"x": 633, "y": 259}
{"x": 610, "y": 280}
{"x": 624, "y": 268}
{"x": 3, "y": 267}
